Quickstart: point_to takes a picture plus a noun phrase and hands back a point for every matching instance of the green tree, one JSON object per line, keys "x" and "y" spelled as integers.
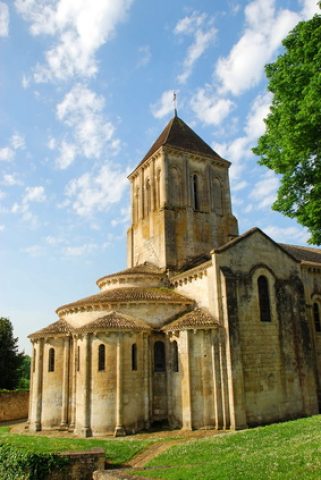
{"x": 291, "y": 144}
{"x": 10, "y": 358}
{"x": 24, "y": 372}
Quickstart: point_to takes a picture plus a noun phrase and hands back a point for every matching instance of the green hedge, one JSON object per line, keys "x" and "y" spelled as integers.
{"x": 22, "y": 464}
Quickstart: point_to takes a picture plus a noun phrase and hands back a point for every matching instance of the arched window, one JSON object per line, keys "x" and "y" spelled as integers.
{"x": 175, "y": 364}
{"x": 101, "y": 357}
{"x": 316, "y": 317}
{"x": 264, "y": 299}
{"x": 34, "y": 359}
{"x": 134, "y": 356}
{"x": 159, "y": 357}
{"x": 196, "y": 193}
{"x": 78, "y": 359}
{"x": 51, "y": 360}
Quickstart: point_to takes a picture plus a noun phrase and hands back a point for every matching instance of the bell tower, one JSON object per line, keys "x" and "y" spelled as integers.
{"x": 180, "y": 201}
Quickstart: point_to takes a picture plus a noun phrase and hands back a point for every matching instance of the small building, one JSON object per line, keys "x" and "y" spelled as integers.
{"x": 206, "y": 328}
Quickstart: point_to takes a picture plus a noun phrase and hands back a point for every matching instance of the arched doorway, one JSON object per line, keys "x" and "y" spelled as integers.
{"x": 159, "y": 382}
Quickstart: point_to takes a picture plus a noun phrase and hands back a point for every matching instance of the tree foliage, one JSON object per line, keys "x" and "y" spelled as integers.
{"x": 10, "y": 359}
{"x": 291, "y": 144}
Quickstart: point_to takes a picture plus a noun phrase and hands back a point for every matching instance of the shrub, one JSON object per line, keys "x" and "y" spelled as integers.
{"x": 22, "y": 464}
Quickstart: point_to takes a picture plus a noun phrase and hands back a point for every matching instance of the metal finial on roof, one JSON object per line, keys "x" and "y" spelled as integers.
{"x": 175, "y": 104}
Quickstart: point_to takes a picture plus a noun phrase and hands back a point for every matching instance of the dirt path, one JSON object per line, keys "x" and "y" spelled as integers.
{"x": 149, "y": 453}
{"x": 142, "y": 458}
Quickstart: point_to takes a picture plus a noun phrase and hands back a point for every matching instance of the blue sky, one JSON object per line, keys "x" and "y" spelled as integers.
{"x": 85, "y": 88}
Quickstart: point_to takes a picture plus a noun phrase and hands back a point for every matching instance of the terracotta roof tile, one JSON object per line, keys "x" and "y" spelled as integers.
{"x": 144, "y": 268}
{"x": 178, "y": 134}
{"x": 130, "y": 295}
{"x": 60, "y": 327}
{"x": 114, "y": 321}
{"x": 307, "y": 254}
{"x": 198, "y": 318}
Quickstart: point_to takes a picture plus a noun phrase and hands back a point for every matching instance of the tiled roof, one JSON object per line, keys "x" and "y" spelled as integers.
{"x": 144, "y": 268}
{"x": 303, "y": 254}
{"x": 114, "y": 321}
{"x": 178, "y": 134}
{"x": 60, "y": 327}
{"x": 130, "y": 295}
{"x": 198, "y": 318}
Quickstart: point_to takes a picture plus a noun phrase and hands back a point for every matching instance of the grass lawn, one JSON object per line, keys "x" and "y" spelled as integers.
{"x": 287, "y": 451}
{"x": 117, "y": 450}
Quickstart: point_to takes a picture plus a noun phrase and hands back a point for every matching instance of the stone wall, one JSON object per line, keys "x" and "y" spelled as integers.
{"x": 13, "y": 405}
{"x": 81, "y": 465}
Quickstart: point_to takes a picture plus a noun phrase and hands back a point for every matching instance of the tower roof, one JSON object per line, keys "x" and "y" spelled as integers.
{"x": 178, "y": 134}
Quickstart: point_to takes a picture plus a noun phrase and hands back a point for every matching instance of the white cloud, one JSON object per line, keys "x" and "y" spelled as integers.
{"x": 81, "y": 250}
{"x": 2, "y": 228}
{"x": 239, "y": 150}
{"x": 6, "y": 154}
{"x": 264, "y": 191}
{"x": 31, "y": 195}
{"x": 123, "y": 217}
{"x": 209, "y": 108}
{"x": 260, "y": 109}
{"x": 10, "y": 180}
{"x": 80, "y": 28}
{"x": 17, "y": 141}
{"x": 82, "y": 110}
{"x": 145, "y": 55}
{"x": 96, "y": 192}
{"x": 34, "y": 250}
{"x": 201, "y": 28}
{"x": 309, "y": 8}
{"x": 34, "y": 194}
{"x": 286, "y": 234}
{"x": 164, "y": 105}
{"x": 264, "y": 29}
{"x": 25, "y": 81}
{"x": 67, "y": 154}
{"x": 239, "y": 185}
{"x": 4, "y": 20}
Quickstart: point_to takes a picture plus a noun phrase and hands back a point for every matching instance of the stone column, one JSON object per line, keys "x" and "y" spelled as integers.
{"x": 74, "y": 385}
{"x": 186, "y": 382}
{"x": 146, "y": 380}
{"x": 38, "y": 386}
{"x": 163, "y": 183}
{"x": 217, "y": 390}
{"x": 224, "y": 383}
{"x": 119, "y": 429}
{"x": 153, "y": 185}
{"x": 233, "y": 351}
{"x": 65, "y": 385}
{"x": 142, "y": 196}
{"x": 86, "y": 430}
{"x": 32, "y": 380}
{"x": 206, "y": 383}
{"x": 169, "y": 373}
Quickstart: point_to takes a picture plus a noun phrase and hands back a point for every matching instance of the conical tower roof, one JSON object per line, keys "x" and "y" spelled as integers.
{"x": 179, "y": 135}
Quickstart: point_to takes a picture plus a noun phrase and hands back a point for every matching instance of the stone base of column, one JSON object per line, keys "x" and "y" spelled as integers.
{"x": 63, "y": 426}
{"x": 34, "y": 426}
{"x": 71, "y": 427}
{"x": 147, "y": 425}
{"x": 120, "y": 432}
{"x": 86, "y": 432}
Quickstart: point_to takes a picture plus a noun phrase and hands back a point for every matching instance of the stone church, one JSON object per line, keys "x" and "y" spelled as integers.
{"x": 206, "y": 328}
